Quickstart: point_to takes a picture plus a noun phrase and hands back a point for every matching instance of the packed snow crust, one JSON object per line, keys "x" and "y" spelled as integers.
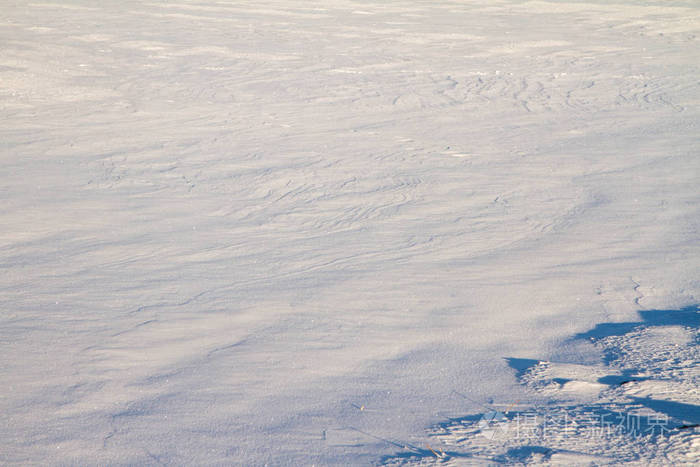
{"x": 292, "y": 232}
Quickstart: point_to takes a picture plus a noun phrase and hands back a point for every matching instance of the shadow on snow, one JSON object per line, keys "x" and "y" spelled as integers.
{"x": 687, "y": 414}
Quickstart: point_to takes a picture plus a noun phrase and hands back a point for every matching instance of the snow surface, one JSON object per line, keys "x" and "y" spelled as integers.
{"x": 342, "y": 232}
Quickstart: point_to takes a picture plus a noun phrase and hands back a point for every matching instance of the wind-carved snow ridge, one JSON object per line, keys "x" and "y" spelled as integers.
{"x": 639, "y": 406}
{"x": 297, "y": 232}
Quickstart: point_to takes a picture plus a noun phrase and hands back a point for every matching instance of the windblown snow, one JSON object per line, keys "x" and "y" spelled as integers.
{"x": 403, "y": 232}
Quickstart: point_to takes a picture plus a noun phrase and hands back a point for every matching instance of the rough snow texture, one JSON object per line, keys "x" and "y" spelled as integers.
{"x": 296, "y": 232}
{"x": 638, "y": 407}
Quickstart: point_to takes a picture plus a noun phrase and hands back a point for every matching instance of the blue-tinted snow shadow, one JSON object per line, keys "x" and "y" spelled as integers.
{"x": 521, "y": 365}
{"x": 523, "y": 453}
{"x": 687, "y": 316}
{"x": 688, "y": 414}
{"x": 681, "y": 415}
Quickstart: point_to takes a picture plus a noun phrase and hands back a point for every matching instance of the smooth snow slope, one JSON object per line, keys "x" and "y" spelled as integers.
{"x": 295, "y": 232}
